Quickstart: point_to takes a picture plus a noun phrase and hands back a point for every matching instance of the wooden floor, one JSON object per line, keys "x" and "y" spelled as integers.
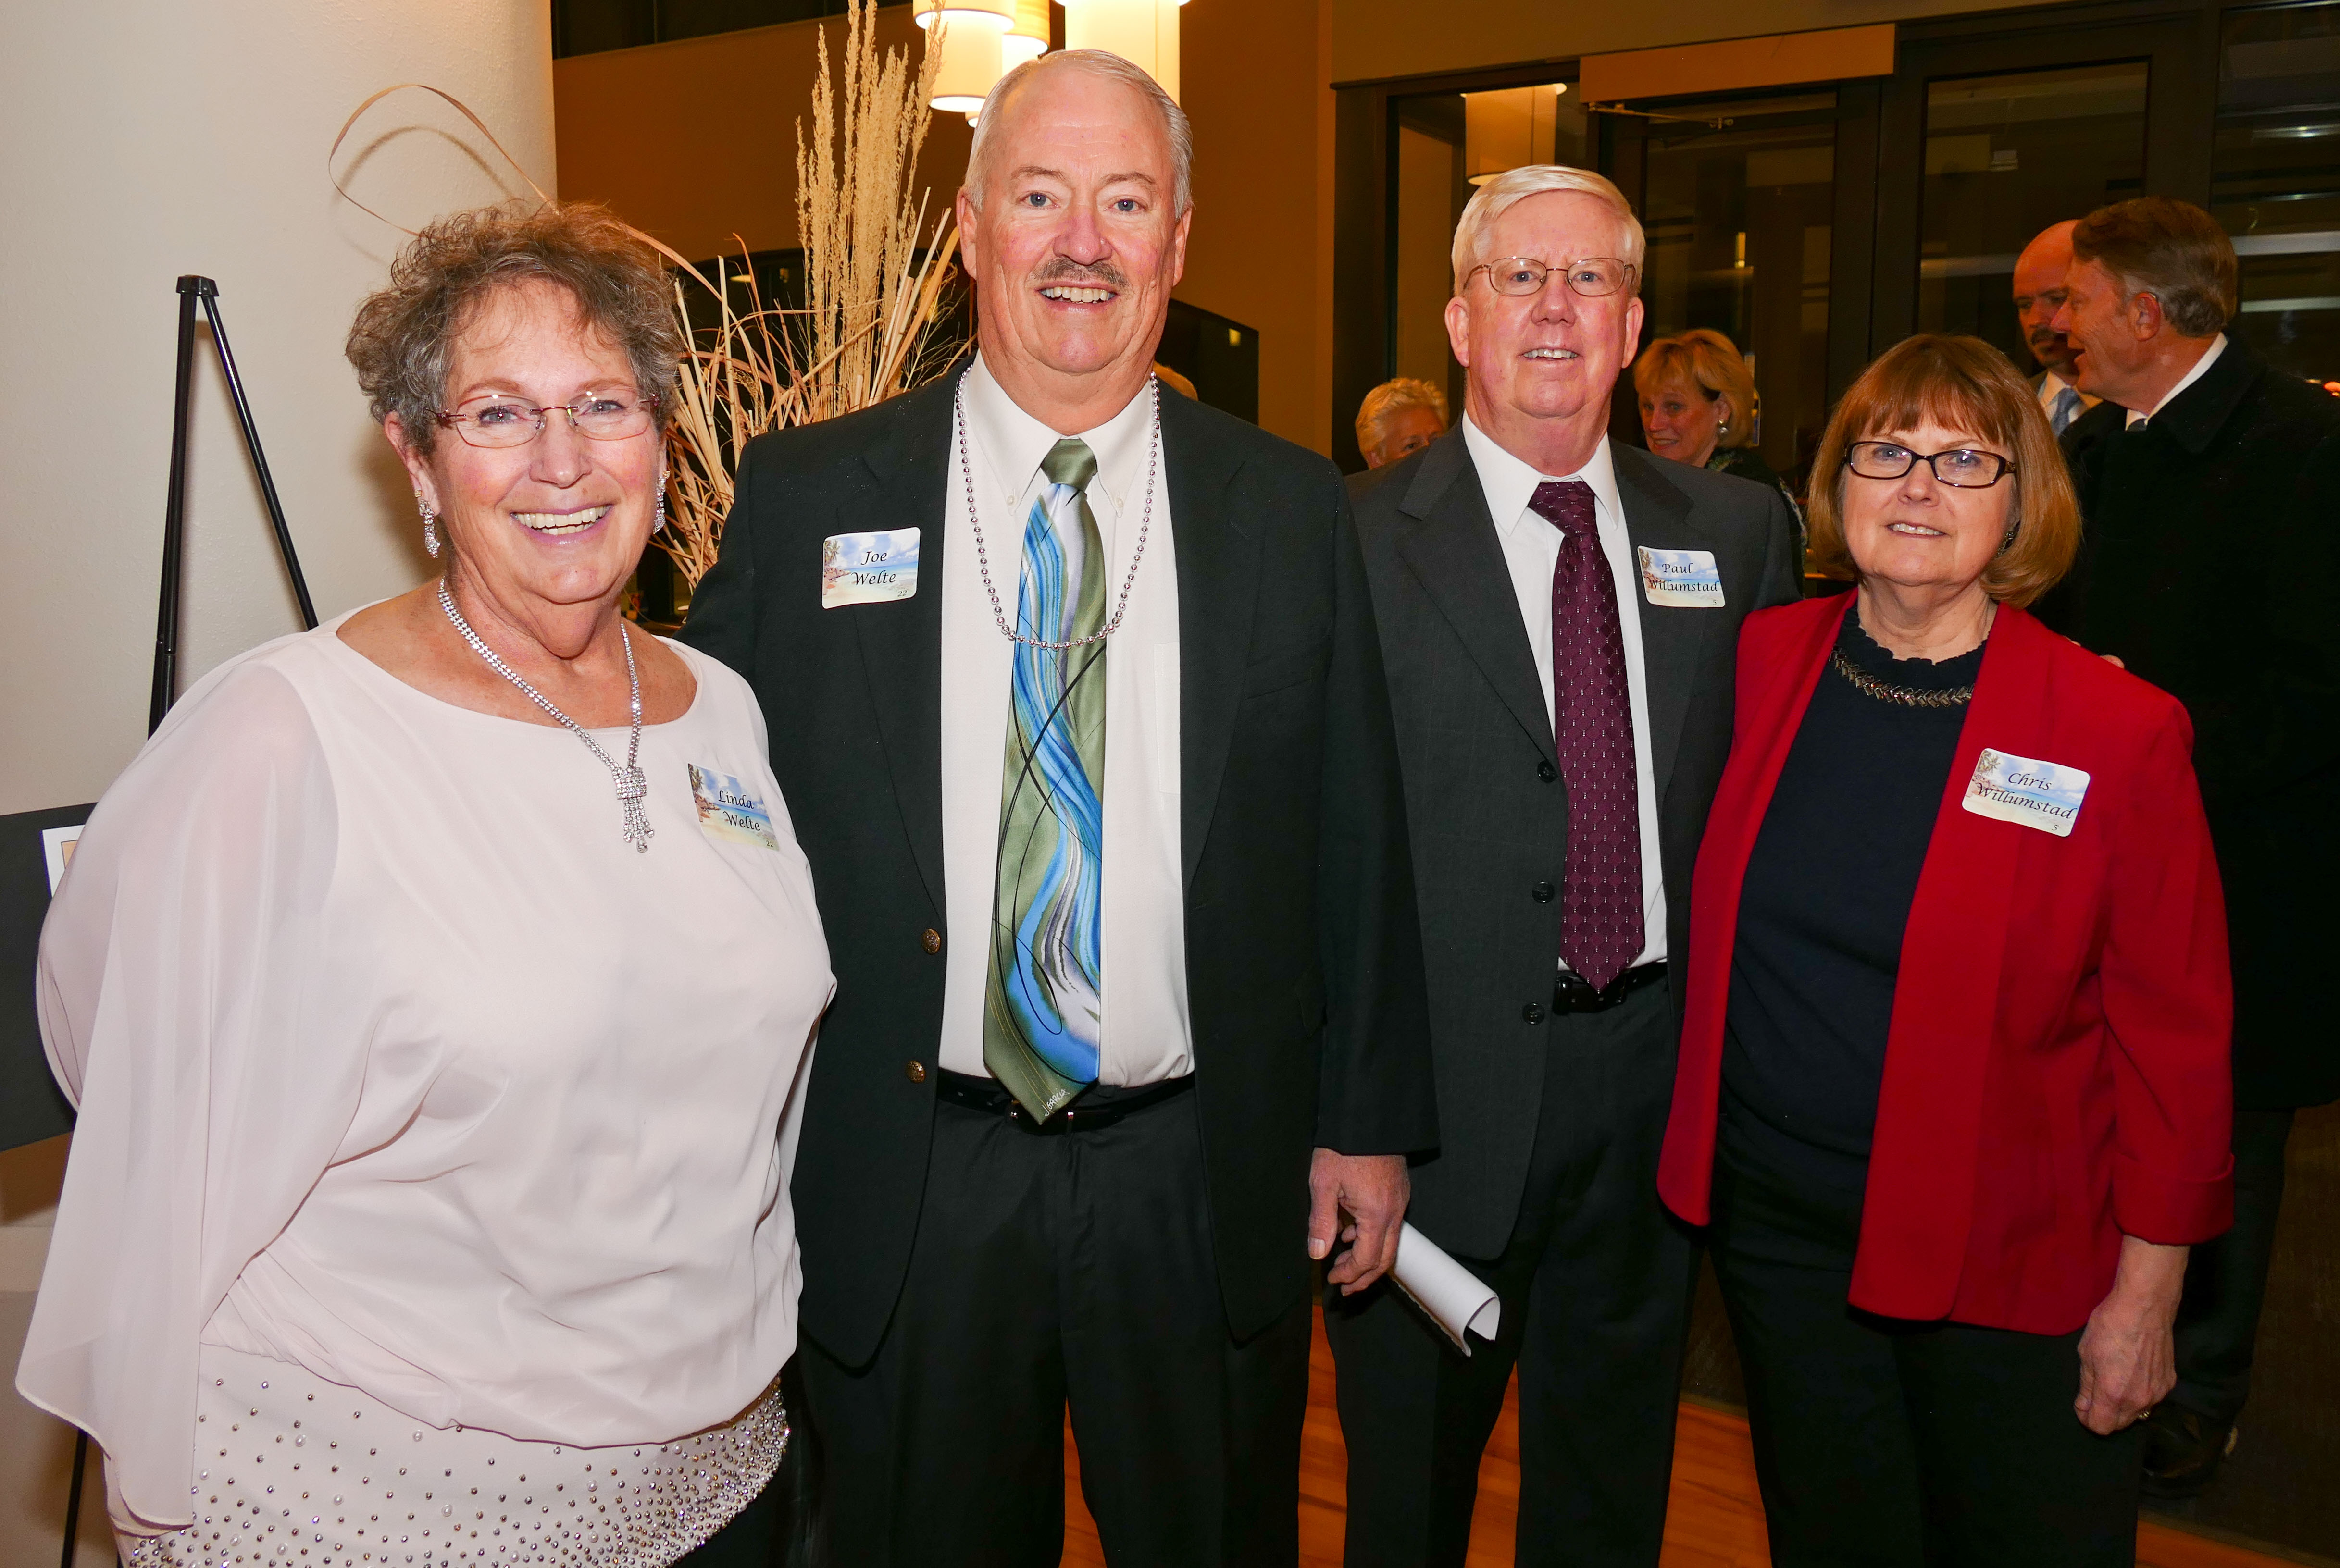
{"x": 1716, "y": 1520}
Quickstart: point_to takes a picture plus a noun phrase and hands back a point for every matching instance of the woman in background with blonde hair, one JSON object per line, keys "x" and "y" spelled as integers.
{"x": 1697, "y": 407}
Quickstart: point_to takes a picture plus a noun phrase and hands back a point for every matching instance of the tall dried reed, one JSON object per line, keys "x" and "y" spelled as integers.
{"x": 872, "y": 297}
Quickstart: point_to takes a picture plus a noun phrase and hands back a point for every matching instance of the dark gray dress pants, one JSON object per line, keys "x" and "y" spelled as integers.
{"x": 1595, "y": 1285}
{"x": 1051, "y": 1269}
{"x": 2225, "y": 1279}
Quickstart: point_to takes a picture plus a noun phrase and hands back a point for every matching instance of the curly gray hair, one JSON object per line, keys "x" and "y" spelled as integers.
{"x": 403, "y": 335}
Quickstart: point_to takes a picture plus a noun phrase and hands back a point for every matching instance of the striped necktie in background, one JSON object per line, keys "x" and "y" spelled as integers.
{"x": 1043, "y": 997}
{"x": 2067, "y": 409}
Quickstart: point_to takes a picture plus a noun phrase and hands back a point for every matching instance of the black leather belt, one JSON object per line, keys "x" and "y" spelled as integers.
{"x": 1097, "y": 1107}
{"x": 1572, "y": 993}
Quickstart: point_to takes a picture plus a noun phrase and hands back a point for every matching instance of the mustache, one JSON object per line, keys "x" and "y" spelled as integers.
{"x": 1064, "y": 269}
{"x": 2042, "y": 338}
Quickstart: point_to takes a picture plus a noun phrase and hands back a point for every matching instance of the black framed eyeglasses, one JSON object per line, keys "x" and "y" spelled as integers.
{"x": 612, "y": 415}
{"x": 1966, "y": 469}
{"x": 1592, "y": 276}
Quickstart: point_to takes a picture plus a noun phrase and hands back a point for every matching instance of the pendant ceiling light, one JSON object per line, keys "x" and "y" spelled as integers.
{"x": 1029, "y": 39}
{"x": 970, "y": 34}
{"x": 1143, "y": 32}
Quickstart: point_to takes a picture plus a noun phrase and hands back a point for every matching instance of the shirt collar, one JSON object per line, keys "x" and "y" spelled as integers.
{"x": 2209, "y": 357}
{"x": 1509, "y": 482}
{"x": 1012, "y": 443}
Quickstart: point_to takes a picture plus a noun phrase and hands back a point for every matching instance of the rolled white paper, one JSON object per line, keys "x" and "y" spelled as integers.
{"x": 1449, "y": 1294}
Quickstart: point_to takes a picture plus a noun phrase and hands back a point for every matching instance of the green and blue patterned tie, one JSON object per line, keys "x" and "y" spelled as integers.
{"x": 1043, "y": 998}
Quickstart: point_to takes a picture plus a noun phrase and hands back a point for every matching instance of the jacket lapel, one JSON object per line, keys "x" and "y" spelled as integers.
{"x": 902, "y": 653}
{"x": 1218, "y": 590}
{"x": 1673, "y": 637}
{"x": 1450, "y": 545}
{"x": 1946, "y": 998}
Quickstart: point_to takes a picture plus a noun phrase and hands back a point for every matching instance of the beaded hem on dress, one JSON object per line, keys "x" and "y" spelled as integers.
{"x": 295, "y": 1471}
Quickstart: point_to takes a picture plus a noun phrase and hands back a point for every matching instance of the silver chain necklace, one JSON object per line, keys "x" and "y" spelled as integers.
{"x": 631, "y": 785}
{"x": 983, "y": 558}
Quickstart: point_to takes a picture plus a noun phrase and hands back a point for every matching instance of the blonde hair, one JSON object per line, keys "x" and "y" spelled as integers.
{"x": 1509, "y": 189}
{"x": 1706, "y": 360}
{"x": 1392, "y": 398}
{"x": 1962, "y": 384}
{"x": 1112, "y": 68}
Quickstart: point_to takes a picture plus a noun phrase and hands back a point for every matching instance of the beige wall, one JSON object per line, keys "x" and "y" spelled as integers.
{"x": 1374, "y": 39}
{"x": 147, "y": 140}
{"x": 705, "y": 148}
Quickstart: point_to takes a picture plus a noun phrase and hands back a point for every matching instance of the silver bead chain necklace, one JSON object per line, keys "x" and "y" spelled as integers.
{"x": 983, "y": 558}
{"x": 632, "y": 784}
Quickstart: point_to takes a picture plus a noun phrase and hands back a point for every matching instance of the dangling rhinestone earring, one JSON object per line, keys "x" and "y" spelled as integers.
{"x": 430, "y": 525}
{"x": 658, "y": 518}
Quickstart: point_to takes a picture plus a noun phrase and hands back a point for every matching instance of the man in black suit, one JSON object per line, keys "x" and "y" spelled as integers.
{"x": 2204, "y": 476}
{"x": 1560, "y": 616}
{"x": 1129, "y": 1007}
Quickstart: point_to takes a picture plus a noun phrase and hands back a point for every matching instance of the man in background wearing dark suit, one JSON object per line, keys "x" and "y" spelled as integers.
{"x": 1129, "y": 989}
{"x": 2039, "y": 295}
{"x": 1559, "y": 616}
{"x": 2209, "y": 484}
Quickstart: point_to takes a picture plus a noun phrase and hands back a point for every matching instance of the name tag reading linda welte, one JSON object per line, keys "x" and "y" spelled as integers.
{"x": 1684, "y": 577}
{"x": 2023, "y": 790}
{"x": 727, "y": 811}
{"x": 868, "y": 569}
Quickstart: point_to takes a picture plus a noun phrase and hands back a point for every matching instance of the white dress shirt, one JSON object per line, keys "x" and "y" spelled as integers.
{"x": 2209, "y": 357}
{"x": 1146, "y": 1036}
{"x": 1531, "y": 550}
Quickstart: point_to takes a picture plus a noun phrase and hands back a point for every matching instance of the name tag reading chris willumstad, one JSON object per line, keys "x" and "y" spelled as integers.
{"x": 1681, "y": 577}
{"x": 2034, "y": 794}
{"x": 868, "y": 569}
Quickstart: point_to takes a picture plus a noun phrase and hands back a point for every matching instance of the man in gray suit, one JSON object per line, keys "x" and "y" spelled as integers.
{"x": 1558, "y": 617}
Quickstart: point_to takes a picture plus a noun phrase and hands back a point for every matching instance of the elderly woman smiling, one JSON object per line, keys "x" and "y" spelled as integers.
{"x": 1953, "y": 1087}
{"x": 433, "y": 987}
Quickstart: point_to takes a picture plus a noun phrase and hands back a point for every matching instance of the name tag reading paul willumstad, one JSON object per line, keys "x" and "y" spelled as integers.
{"x": 1687, "y": 577}
{"x": 2044, "y": 795}
{"x": 868, "y": 569}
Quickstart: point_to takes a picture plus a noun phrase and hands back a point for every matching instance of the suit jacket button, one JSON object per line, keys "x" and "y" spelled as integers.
{"x": 916, "y": 1072}
{"x": 1532, "y": 1013}
{"x": 1542, "y": 893}
{"x": 931, "y": 940}
{"x": 1546, "y": 771}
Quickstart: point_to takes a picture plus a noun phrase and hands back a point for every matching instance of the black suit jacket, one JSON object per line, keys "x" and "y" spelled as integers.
{"x": 1302, "y": 960}
{"x": 2208, "y": 543}
{"x": 1488, "y": 808}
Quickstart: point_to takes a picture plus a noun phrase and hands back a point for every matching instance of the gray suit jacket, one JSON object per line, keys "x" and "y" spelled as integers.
{"x": 1487, "y": 810}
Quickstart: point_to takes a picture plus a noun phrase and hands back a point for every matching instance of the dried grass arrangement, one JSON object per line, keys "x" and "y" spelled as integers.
{"x": 872, "y": 296}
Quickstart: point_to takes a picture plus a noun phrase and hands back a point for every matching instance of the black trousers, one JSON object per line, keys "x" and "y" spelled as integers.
{"x": 1595, "y": 1284}
{"x": 2225, "y": 1279}
{"x": 1880, "y": 1444}
{"x": 1051, "y": 1269}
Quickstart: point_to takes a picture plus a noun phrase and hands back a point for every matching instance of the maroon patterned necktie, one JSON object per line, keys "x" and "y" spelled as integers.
{"x": 1600, "y": 926}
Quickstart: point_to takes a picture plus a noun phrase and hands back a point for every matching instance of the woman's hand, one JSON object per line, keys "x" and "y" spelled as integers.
{"x": 2127, "y": 1360}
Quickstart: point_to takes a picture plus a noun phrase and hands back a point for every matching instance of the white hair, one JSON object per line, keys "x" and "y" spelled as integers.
{"x": 1093, "y": 62}
{"x": 1507, "y": 189}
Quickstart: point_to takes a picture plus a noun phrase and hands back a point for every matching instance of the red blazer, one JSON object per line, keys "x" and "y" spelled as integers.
{"x": 2056, "y": 1071}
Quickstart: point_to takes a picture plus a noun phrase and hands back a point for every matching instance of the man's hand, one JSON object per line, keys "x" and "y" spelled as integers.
{"x": 2127, "y": 1360}
{"x": 1369, "y": 1192}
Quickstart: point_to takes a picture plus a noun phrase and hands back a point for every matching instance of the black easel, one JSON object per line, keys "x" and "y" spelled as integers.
{"x": 193, "y": 290}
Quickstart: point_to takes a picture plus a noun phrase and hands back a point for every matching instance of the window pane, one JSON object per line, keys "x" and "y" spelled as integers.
{"x": 1739, "y": 223}
{"x": 2007, "y": 156}
{"x": 2275, "y": 184}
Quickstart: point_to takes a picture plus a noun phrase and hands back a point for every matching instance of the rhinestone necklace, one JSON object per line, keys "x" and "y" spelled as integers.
{"x": 983, "y": 559}
{"x": 1869, "y": 685}
{"x": 631, "y": 785}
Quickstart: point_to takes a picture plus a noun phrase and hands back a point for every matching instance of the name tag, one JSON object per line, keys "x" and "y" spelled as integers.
{"x": 727, "y": 811}
{"x": 2044, "y": 795}
{"x": 868, "y": 569}
{"x": 1687, "y": 577}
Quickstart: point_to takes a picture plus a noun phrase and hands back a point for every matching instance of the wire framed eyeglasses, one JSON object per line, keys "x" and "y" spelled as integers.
{"x": 1592, "y": 277}
{"x": 1966, "y": 469}
{"x": 612, "y": 415}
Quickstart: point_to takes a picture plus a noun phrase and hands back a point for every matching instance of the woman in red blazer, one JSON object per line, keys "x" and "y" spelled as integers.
{"x": 1953, "y": 1093}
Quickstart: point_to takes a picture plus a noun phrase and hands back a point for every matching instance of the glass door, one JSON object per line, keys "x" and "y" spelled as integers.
{"x": 2276, "y": 182}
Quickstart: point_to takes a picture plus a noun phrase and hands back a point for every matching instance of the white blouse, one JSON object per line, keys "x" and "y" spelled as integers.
{"x": 396, "y": 1061}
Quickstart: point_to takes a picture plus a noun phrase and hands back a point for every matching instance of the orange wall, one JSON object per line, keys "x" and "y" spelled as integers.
{"x": 695, "y": 140}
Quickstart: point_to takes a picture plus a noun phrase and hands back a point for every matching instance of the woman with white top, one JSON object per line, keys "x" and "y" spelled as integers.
{"x": 433, "y": 987}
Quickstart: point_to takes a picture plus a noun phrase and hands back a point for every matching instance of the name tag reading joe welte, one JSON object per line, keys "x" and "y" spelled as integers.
{"x": 2021, "y": 790}
{"x": 868, "y": 569}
